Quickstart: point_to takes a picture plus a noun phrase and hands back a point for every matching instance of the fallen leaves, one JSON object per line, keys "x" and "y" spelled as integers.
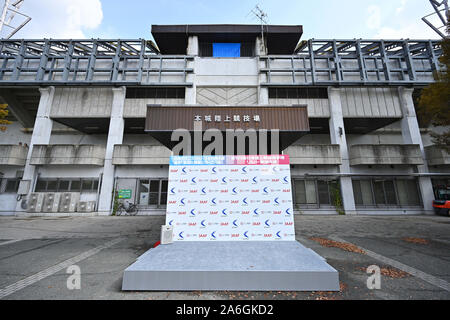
{"x": 390, "y": 272}
{"x": 330, "y": 295}
{"x": 416, "y": 240}
{"x": 336, "y": 244}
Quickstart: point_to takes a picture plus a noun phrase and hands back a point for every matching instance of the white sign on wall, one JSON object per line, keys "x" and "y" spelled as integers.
{"x": 230, "y": 198}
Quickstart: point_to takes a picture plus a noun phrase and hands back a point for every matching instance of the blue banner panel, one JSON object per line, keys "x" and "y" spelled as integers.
{"x": 226, "y": 50}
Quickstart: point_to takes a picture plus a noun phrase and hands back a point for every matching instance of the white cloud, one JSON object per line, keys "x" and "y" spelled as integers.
{"x": 411, "y": 31}
{"x": 402, "y": 7}
{"x": 374, "y": 19}
{"x": 61, "y": 18}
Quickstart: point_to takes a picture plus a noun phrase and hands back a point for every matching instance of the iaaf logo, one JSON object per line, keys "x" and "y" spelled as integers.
{"x": 224, "y": 180}
{"x": 214, "y": 180}
{"x": 214, "y": 170}
{"x": 286, "y": 180}
{"x": 203, "y": 191}
{"x": 234, "y": 191}
{"x": 173, "y": 170}
{"x": 254, "y": 180}
{"x": 193, "y": 180}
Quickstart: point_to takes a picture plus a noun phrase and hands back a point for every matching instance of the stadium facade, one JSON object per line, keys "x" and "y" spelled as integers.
{"x": 93, "y": 118}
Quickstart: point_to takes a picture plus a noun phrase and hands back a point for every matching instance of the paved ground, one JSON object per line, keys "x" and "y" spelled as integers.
{"x": 35, "y": 254}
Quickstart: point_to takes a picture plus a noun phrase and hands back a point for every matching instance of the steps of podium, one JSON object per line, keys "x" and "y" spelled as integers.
{"x": 231, "y": 266}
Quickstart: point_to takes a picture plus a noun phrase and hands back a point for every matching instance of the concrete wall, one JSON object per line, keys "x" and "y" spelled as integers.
{"x": 137, "y": 108}
{"x": 232, "y": 96}
{"x": 370, "y": 102}
{"x": 226, "y": 72}
{"x": 82, "y": 102}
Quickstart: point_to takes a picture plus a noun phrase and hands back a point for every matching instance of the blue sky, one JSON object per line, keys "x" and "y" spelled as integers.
{"x": 321, "y": 19}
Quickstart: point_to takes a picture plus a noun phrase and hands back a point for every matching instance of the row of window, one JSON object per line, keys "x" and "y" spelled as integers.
{"x": 155, "y": 93}
{"x": 298, "y": 93}
{"x": 152, "y": 192}
{"x": 314, "y": 193}
{"x": 386, "y": 192}
{"x": 66, "y": 185}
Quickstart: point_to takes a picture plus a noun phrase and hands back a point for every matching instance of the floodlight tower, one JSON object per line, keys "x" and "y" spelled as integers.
{"x": 10, "y": 9}
{"x": 441, "y": 11}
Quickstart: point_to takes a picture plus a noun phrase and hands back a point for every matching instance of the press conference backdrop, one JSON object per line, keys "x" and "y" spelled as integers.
{"x": 230, "y": 198}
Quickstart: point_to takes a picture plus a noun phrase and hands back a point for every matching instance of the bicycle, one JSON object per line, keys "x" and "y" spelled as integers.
{"x": 130, "y": 210}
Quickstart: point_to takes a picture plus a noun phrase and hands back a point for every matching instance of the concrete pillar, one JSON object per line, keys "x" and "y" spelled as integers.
{"x": 411, "y": 135}
{"x": 42, "y": 132}
{"x": 115, "y": 136}
{"x": 192, "y": 50}
{"x": 338, "y": 136}
{"x": 263, "y": 92}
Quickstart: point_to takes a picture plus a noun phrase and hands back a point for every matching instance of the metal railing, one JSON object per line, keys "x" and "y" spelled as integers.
{"x": 355, "y": 62}
{"x": 89, "y": 62}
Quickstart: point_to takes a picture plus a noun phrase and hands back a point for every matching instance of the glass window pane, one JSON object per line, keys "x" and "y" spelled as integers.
{"x": 324, "y": 196}
{"x": 86, "y": 185}
{"x": 143, "y": 192}
{"x": 41, "y": 185}
{"x": 366, "y": 192}
{"x": 300, "y": 194}
{"x": 153, "y": 198}
{"x": 311, "y": 197}
{"x": 164, "y": 185}
{"x": 412, "y": 191}
{"x": 379, "y": 192}
{"x": 75, "y": 185}
{"x": 11, "y": 185}
{"x": 357, "y": 192}
{"x": 390, "y": 192}
{"x": 95, "y": 187}
{"x": 63, "y": 185}
{"x": 163, "y": 199}
{"x": 154, "y": 186}
{"x": 52, "y": 185}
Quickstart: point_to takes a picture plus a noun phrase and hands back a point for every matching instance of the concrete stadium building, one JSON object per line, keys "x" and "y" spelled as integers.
{"x": 92, "y": 117}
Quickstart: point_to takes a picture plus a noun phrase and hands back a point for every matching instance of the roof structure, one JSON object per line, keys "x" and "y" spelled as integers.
{"x": 280, "y": 39}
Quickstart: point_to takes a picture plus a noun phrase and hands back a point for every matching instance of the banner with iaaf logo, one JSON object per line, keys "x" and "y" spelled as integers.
{"x": 230, "y": 198}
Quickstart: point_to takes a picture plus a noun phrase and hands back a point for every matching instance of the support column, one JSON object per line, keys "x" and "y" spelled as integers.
{"x": 115, "y": 136}
{"x": 338, "y": 136}
{"x": 263, "y": 92}
{"x": 192, "y": 50}
{"x": 42, "y": 132}
{"x": 411, "y": 135}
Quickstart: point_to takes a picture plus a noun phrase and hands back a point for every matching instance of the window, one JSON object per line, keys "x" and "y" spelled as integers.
{"x": 226, "y": 50}
{"x": 298, "y": 93}
{"x": 310, "y": 193}
{"x": 373, "y": 192}
{"x": 153, "y": 192}
{"x": 66, "y": 185}
{"x": 158, "y": 93}
{"x": 9, "y": 185}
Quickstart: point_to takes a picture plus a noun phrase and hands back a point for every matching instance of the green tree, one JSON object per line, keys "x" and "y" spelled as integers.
{"x": 434, "y": 102}
{"x": 3, "y": 114}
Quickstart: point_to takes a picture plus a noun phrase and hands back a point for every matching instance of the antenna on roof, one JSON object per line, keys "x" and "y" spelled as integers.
{"x": 441, "y": 12}
{"x": 8, "y": 13}
{"x": 262, "y": 17}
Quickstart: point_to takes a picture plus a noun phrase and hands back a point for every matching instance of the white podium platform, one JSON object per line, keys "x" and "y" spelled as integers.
{"x": 231, "y": 266}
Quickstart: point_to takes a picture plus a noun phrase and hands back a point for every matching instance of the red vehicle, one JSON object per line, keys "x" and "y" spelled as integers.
{"x": 442, "y": 203}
